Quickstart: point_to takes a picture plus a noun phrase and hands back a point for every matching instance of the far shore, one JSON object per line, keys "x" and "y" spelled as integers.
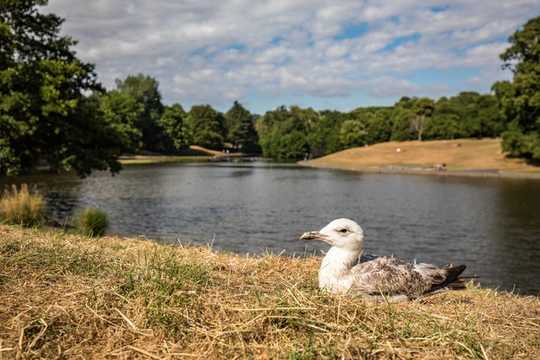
{"x": 198, "y": 154}
{"x": 462, "y": 157}
{"x": 160, "y": 159}
{"x": 426, "y": 171}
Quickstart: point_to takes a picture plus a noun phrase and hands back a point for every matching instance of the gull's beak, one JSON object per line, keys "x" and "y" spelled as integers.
{"x": 313, "y": 235}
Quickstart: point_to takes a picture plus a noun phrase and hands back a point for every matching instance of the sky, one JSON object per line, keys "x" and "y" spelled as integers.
{"x": 338, "y": 54}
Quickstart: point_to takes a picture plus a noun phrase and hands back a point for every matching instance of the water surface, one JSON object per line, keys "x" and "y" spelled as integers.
{"x": 492, "y": 225}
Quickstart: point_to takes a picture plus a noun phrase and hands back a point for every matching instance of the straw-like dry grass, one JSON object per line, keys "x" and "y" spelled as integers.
{"x": 68, "y": 296}
{"x": 21, "y": 206}
{"x": 473, "y": 156}
{"x": 160, "y": 159}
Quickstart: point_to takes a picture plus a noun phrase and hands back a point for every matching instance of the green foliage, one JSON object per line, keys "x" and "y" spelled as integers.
{"x": 465, "y": 115}
{"x": 240, "y": 128}
{"x": 206, "y": 127}
{"x": 144, "y": 90}
{"x": 22, "y": 207}
{"x": 173, "y": 123}
{"x": 422, "y": 109}
{"x": 519, "y": 144}
{"x": 401, "y": 124}
{"x": 520, "y": 99}
{"x": 92, "y": 222}
{"x": 283, "y": 132}
{"x": 411, "y": 117}
{"x": 94, "y": 142}
{"x": 444, "y": 126}
{"x": 41, "y": 97}
{"x": 475, "y": 115}
{"x": 353, "y": 133}
{"x": 323, "y": 138}
{"x": 122, "y": 111}
{"x": 376, "y": 122}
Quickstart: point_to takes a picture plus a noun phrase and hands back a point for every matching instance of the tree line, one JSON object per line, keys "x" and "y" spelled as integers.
{"x": 293, "y": 133}
{"x": 134, "y": 108}
{"x": 54, "y": 112}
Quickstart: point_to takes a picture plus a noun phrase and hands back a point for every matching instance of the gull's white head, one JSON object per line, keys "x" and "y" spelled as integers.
{"x": 342, "y": 233}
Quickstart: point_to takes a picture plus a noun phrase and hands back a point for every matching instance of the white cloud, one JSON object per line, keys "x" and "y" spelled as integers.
{"x": 215, "y": 52}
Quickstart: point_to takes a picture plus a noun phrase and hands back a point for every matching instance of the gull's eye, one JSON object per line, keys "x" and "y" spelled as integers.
{"x": 343, "y": 231}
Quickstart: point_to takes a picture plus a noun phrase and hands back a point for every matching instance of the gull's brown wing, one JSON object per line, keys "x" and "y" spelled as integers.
{"x": 389, "y": 275}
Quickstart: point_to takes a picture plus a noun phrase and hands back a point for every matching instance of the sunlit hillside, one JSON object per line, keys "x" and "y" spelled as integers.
{"x": 453, "y": 155}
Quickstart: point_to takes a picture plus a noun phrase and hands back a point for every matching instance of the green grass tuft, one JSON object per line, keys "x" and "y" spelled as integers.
{"x": 165, "y": 282}
{"x": 22, "y": 207}
{"x": 92, "y": 222}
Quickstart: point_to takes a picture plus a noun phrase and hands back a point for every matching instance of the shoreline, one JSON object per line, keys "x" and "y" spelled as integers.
{"x": 403, "y": 170}
{"x": 161, "y": 159}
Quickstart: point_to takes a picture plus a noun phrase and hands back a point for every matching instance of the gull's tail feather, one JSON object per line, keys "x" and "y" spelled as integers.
{"x": 453, "y": 280}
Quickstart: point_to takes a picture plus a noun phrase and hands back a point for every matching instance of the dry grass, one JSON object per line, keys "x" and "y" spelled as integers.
{"x": 21, "y": 206}
{"x": 160, "y": 159}
{"x": 67, "y": 296}
{"x": 214, "y": 153}
{"x": 459, "y": 155}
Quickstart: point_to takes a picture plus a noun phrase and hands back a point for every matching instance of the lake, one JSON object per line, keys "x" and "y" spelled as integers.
{"x": 492, "y": 225}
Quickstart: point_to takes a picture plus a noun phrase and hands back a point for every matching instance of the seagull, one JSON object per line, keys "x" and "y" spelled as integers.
{"x": 376, "y": 278}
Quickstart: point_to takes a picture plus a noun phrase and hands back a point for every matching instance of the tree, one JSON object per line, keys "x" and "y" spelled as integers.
{"x": 291, "y": 146}
{"x": 376, "y": 121}
{"x": 401, "y": 124}
{"x": 284, "y": 132}
{"x": 173, "y": 123}
{"x": 44, "y": 115}
{"x": 122, "y": 112}
{"x": 94, "y": 142}
{"x": 520, "y": 99}
{"x": 444, "y": 126}
{"x": 206, "y": 126}
{"x": 422, "y": 109}
{"x": 352, "y": 133}
{"x": 145, "y": 90}
{"x": 241, "y": 129}
{"x": 323, "y": 138}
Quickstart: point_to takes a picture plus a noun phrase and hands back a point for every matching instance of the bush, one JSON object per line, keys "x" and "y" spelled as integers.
{"x": 92, "y": 222}
{"x": 22, "y": 207}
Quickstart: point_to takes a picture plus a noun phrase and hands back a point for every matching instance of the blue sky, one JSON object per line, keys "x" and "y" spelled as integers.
{"x": 324, "y": 54}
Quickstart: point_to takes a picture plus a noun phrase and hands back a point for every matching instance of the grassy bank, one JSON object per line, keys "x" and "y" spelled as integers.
{"x": 461, "y": 157}
{"x": 71, "y": 296}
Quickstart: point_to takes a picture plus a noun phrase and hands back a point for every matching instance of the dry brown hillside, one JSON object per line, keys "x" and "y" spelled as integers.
{"x": 458, "y": 155}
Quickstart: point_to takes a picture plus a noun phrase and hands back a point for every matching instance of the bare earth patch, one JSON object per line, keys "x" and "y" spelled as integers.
{"x": 69, "y": 296}
{"x": 460, "y": 157}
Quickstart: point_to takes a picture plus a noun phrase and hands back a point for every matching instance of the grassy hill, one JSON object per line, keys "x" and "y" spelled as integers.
{"x": 67, "y": 296}
{"x": 464, "y": 156}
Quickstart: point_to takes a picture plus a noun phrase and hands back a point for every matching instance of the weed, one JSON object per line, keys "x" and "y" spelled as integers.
{"x": 22, "y": 207}
{"x": 92, "y": 222}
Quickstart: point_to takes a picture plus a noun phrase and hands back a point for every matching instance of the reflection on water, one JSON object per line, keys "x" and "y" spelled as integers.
{"x": 492, "y": 225}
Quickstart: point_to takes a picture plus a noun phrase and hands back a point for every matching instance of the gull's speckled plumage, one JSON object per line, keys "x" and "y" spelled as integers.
{"x": 386, "y": 275}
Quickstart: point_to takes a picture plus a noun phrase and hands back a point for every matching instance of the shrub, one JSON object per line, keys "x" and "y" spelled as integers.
{"x": 92, "y": 222}
{"x": 22, "y": 207}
